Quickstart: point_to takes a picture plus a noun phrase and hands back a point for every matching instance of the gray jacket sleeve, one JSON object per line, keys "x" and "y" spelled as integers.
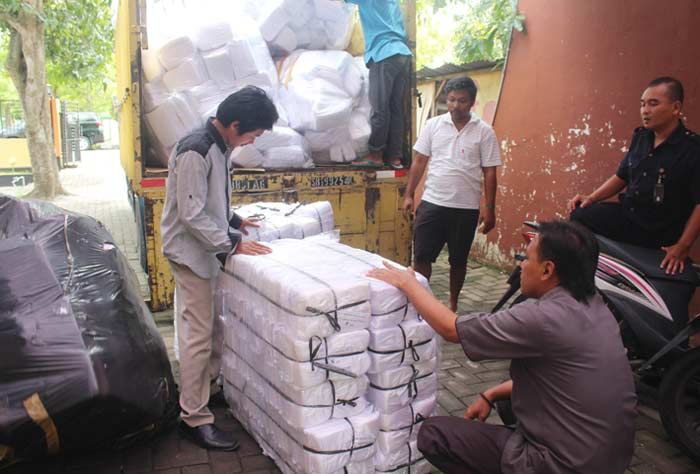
{"x": 192, "y": 189}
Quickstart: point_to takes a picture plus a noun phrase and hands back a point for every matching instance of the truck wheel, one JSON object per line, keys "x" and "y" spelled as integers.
{"x": 84, "y": 143}
{"x": 679, "y": 402}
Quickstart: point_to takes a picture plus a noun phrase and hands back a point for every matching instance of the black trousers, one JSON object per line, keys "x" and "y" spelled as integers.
{"x": 611, "y": 220}
{"x": 387, "y": 82}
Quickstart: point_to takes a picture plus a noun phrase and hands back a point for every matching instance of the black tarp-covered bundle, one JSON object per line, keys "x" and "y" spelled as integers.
{"x": 82, "y": 364}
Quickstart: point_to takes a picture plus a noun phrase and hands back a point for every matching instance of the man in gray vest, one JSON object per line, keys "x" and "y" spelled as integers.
{"x": 199, "y": 231}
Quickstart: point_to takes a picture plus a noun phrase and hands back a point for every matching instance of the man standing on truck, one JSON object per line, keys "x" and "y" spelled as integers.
{"x": 461, "y": 148}
{"x": 198, "y": 236}
{"x": 661, "y": 178}
{"x": 388, "y": 59}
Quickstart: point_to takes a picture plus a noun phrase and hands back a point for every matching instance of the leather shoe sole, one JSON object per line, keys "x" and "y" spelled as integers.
{"x": 192, "y": 434}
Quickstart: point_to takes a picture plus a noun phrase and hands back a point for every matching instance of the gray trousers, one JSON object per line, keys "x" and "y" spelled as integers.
{"x": 459, "y": 446}
{"x": 387, "y": 83}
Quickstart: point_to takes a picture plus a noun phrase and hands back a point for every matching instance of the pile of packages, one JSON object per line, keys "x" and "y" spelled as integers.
{"x": 331, "y": 371}
{"x": 278, "y": 220}
{"x": 82, "y": 364}
{"x": 200, "y": 52}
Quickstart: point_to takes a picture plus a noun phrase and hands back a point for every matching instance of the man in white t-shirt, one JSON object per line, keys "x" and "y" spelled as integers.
{"x": 461, "y": 148}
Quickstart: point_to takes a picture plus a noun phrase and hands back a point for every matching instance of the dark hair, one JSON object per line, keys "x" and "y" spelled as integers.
{"x": 251, "y": 107}
{"x": 673, "y": 86}
{"x": 574, "y": 251}
{"x": 462, "y": 84}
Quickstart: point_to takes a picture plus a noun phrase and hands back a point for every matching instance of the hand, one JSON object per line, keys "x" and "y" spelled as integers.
{"x": 251, "y": 222}
{"x": 252, "y": 248}
{"x": 580, "y": 200}
{"x": 674, "y": 261}
{"x": 393, "y": 275}
{"x": 408, "y": 208}
{"x": 479, "y": 410}
{"x": 487, "y": 220}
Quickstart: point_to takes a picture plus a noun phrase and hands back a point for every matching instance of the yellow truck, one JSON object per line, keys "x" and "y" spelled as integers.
{"x": 366, "y": 203}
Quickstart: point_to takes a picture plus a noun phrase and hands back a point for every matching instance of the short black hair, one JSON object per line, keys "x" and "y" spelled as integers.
{"x": 574, "y": 251}
{"x": 250, "y": 107}
{"x": 462, "y": 83}
{"x": 673, "y": 86}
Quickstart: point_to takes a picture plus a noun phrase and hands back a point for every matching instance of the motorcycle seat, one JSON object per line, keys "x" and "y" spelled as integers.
{"x": 647, "y": 260}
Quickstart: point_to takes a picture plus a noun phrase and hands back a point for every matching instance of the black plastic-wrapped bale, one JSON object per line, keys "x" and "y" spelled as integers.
{"x": 81, "y": 361}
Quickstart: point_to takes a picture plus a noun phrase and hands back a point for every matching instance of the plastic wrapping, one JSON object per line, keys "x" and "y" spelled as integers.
{"x": 76, "y": 339}
{"x": 296, "y": 407}
{"x": 306, "y": 344}
{"x": 407, "y": 459}
{"x": 402, "y": 426}
{"x": 325, "y": 448}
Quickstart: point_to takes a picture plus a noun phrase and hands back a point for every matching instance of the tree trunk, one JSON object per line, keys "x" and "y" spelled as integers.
{"x": 26, "y": 65}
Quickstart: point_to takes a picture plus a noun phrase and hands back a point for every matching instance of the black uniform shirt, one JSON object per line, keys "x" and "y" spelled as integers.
{"x": 674, "y": 167}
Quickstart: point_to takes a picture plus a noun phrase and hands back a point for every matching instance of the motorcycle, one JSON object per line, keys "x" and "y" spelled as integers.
{"x": 651, "y": 309}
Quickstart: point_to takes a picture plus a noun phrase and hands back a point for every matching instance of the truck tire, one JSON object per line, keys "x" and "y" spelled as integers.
{"x": 679, "y": 402}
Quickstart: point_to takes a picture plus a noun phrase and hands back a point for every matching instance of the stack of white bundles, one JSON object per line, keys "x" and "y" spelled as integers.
{"x": 310, "y": 24}
{"x": 279, "y": 220}
{"x": 283, "y": 147}
{"x": 403, "y": 351}
{"x": 323, "y": 95}
{"x": 336, "y": 446}
{"x": 308, "y": 347}
{"x": 295, "y": 356}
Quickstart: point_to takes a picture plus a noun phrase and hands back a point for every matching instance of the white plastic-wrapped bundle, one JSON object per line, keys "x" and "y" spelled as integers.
{"x": 176, "y": 51}
{"x": 360, "y": 130}
{"x": 283, "y": 147}
{"x": 273, "y": 364}
{"x": 187, "y": 74}
{"x": 407, "y": 459}
{"x": 401, "y": 426}
{"x": 414, "y": 387}
{"x": 212, "y": 35}
{"x": 339, "y": 445}
{"x": 405, "y": 344}
{"x": 296, "y": 408}
{"x": 279, "y": 220}
{"x": 154, "y": 94}
{"x": 172, "y": 119}
{"x": 321, "y": 301}
{"x": 247, "y": 157}
{"x": 220, "y": 66}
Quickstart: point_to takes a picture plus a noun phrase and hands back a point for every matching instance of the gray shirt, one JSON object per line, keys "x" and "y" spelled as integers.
{"x": 195, "y": 223}
{"x": 573, "y": 391}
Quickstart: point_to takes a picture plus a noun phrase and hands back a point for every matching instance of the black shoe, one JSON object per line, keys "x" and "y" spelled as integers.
{"x": 208, "y": 437}
{"x": 217, "y": 400}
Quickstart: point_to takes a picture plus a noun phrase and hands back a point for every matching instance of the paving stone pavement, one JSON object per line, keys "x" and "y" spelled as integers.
{"x": 460, "y": 379}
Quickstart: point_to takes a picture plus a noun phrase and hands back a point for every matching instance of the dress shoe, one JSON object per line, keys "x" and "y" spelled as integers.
{"x": 209, "y": 437}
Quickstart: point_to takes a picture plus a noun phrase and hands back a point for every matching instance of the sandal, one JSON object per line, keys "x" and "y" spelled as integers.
{"x": 396, "y": 164}
{"x": 367, "y": 163}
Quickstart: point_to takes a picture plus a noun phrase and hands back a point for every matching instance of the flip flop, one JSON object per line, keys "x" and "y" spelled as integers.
{"x": 366, "y": 163}
{"x": 396, "y": 164}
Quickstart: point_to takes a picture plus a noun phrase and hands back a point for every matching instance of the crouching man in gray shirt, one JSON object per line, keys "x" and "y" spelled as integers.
{"x": 571, "y": 385}
{"x": 199, "y": 230}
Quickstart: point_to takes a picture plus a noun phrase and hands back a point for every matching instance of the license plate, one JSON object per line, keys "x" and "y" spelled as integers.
{"x": 331, "y": 181}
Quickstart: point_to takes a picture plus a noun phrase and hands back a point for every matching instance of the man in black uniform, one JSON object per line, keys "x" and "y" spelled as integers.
{"x": 661, "y": 171}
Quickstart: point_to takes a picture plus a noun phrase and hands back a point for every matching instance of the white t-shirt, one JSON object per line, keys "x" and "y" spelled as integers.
{"x": 456, "y": 159}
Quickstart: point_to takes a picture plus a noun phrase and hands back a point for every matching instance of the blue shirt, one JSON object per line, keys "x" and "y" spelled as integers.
{"x": 382, "y": 26}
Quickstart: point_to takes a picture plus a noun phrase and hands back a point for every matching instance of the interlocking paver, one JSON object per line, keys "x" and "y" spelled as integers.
{"x": 98, "y": 189}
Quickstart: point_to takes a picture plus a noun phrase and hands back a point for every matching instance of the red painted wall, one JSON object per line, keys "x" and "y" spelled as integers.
{"x": 570, "y": 100}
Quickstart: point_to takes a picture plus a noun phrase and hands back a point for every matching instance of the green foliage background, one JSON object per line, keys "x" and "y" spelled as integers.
{"x": 464, "y": 31}
{"x": 79, "y": 52}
